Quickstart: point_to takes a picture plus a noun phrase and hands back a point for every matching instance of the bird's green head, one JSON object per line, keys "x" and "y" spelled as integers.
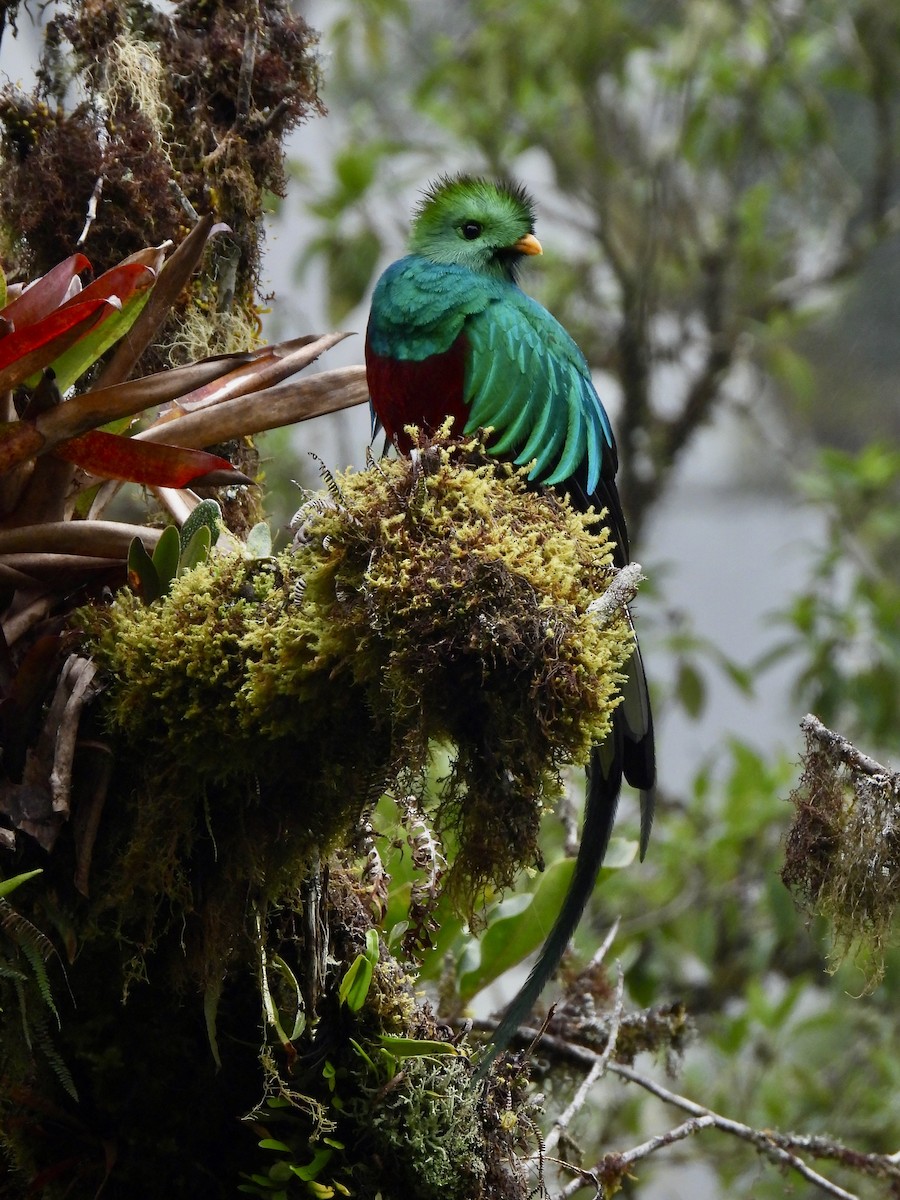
{"x": 475, "y": 223}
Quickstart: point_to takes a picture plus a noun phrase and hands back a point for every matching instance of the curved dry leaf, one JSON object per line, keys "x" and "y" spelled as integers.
{"x": 151, "y": 256}
{"x": 102, "y": 405}
{"x": 284, "y": 404}
{"x": 28, "y": 570}
{"x": 272, "y": 365}
{"x": 100, "y": 539}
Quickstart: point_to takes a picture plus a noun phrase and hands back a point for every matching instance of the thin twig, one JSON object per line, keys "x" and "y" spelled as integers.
{"x": 623, "y": 1162}
{"x": 91, "y": 215}
{"x": 77, "y": 683}
{"x": 778, "y": 1147}
{"x": 597, "y": 1071}
{"x": 772, "y": 1145}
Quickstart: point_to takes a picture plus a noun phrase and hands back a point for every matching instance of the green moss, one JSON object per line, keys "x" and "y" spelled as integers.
{"x": 256, "y": 714}
{"x": 431, "y": 600}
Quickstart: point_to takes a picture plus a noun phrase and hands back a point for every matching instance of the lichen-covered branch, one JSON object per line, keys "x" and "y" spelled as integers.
{"x": 842, "y": 852}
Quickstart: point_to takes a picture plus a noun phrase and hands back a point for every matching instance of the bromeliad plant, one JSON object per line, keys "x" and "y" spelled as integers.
{"x": 69, "y": 440}
{"x": 53, "y": 332}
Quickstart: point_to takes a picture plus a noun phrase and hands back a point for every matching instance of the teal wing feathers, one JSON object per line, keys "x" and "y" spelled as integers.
{"x": 528, "y": 381}
{"x": 525, "y": 377}
{"x": 419, "y": 308}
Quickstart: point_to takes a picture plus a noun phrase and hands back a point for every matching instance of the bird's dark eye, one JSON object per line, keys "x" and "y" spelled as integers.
{"x": 471, "y": 230}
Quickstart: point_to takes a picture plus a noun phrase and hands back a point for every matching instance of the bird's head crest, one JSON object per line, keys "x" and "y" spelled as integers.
{"x": 484, "y": 224}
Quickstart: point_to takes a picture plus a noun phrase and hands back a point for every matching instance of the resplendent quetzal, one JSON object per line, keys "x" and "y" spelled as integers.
{"x": 451, "y": 334}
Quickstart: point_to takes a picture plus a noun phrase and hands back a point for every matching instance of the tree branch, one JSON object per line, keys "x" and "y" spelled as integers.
{"x": 836, "y": 744}
{"x": 783, "y": 1149}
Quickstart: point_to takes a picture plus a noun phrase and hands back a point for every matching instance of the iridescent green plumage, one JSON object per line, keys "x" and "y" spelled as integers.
{"x": 524, "y": 376}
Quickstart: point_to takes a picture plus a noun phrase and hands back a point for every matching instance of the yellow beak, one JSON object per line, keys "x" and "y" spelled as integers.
{"x": 528, "y": 245}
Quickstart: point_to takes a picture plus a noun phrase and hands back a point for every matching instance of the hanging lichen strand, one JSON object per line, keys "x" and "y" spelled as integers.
{"x": 433, "y": 600}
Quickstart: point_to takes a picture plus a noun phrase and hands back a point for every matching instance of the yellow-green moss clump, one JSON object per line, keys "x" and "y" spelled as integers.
{"x": 429, "y": 600}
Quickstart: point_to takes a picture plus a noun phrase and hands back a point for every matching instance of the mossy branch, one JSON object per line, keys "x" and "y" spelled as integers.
{"x": 842, "y": 853}
{"x": 432, "y": 600}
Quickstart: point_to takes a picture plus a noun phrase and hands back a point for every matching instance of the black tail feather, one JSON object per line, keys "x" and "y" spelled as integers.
{"x": 604, "y": 781}
{"x": 628, "y": 752}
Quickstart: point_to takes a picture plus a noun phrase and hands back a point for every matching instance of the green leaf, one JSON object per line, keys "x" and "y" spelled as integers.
{"x": 690, "y": 689}
{"x": 7, "y": 886}
{"x": 165, "y": 557}
{"x": 278, "y": 964}
{"x": 792, "y": 369}
{"x": 404, "y": 1047}
{"x": 142, "y": 576}
{"x": 274, "y": 1144}
{"x": 358, "y": 1049}
{"x": 373, "y": 948}
{"x": 259, "y": 541}
{"x": 196, "y": 551}
{"x": 128, "y": 288}
{"x": 358, "y": 979}
{"x": 355, "y": 172}
{"x": 351, "y": 261}
{"x": 314, "y": 1168}
{"x": 323, "y": 1190}
{"x": 356, "y": 983}
{"x": 517, "y": 931}
{"x": 207, "y": 513}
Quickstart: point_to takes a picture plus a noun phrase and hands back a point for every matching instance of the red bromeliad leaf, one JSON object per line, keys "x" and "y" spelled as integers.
{"x": 122, "y": 281}
{"x": 45, "y": 294}
{"x": 84, "y": 353}
{"x": 39, "y": 316}
{"x": 28, "y": 350}
{"x": 111, "y": 456}
{"x": 173, "y": 276}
